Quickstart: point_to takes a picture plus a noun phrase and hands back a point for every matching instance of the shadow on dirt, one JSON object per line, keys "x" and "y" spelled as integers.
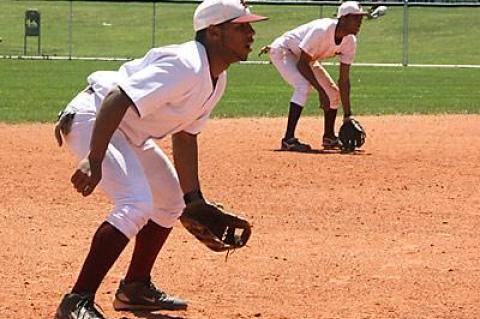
{"x": 151, "y": 315}
{"x": 326, "y": 152}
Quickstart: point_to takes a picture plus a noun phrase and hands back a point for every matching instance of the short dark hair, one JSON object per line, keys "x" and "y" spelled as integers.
{"x": 201, "y": 35}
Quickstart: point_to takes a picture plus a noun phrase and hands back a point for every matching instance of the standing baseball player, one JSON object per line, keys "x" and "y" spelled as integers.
{"x": 296, "y": 55}
{"x": 110, "y": 127}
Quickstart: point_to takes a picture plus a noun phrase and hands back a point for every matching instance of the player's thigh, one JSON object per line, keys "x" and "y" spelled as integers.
{"x": 164, "y": 184}
{"x": 286, "y": 64}
{"x": 78, "y": 140}
{"x": 327, "y": 83}
{"x": 123, "y": 178}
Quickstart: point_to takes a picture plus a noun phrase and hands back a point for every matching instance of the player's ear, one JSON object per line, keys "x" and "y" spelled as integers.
{"x": 213, "y": 31}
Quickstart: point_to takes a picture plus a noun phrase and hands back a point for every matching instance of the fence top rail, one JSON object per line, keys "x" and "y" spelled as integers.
{"x": 335, "y": 3}
{"x": 250, "y": 62}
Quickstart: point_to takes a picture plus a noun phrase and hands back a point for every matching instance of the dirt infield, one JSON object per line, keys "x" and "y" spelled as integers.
{"x": 390, "y": 232}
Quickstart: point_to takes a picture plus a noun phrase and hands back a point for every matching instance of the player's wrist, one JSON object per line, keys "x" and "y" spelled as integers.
{"x": 193, "y": 197}
{"x": 96, "y": 157}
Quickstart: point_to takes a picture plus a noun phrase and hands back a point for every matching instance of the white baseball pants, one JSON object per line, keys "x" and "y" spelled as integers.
{"x": 140, "y": 180}
{"x": 286, "y": 63}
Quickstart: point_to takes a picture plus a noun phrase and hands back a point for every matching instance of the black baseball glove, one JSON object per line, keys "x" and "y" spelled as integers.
{"x": 352, "y": 135}
{"x": 215, "y": 227}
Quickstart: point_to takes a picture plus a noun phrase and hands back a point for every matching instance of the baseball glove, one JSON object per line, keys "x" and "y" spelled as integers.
{"x": 352, "y": 135}
{"x": 215, "y": 227}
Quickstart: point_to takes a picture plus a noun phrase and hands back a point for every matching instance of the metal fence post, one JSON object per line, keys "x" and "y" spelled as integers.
{"x": 70, "y": 31}
{"x": 154, "y": 23}
{"x": 405, "y": 33}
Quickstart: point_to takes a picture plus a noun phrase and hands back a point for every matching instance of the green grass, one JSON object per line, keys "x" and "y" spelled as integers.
{"x": 259, "y": 91}
{"x": 437, "y": 35}
{"x": 37, "y": 90}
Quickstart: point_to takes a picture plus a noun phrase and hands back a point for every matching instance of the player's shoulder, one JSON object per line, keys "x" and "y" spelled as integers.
{"x": 189, "y": 55}
{"x": 323, "y": 23}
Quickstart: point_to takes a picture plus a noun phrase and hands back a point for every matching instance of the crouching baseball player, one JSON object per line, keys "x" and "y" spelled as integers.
{"x": 296, "y": 55}
{"x": 110, "y": 125}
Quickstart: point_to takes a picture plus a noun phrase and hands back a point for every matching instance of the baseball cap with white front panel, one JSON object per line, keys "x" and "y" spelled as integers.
{"x": 212, "y": 12}
{"x": 350, "y": 7}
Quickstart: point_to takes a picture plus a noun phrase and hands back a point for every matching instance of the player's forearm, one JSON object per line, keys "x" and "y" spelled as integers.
{"x": 185, "y": 156}
{"x": 306, "y": 71}
{"x": 108, "y": 119}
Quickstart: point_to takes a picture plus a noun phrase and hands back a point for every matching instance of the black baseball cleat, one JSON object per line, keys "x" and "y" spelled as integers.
{"x": 76, "y": 306}
{"x": 331, "y": 143}
{"x": 141, "y": 296}
{"x": 294, "y": 145}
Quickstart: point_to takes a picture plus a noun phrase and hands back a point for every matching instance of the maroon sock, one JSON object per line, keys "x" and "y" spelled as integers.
{"x": 293, "y": 116}
{"x": 107, "y": 244}
{"x": 148, "y": 243}
{"x": 329, "y": 123}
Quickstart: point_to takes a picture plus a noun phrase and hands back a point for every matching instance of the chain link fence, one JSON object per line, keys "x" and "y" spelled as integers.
{"x": 411, "y": 32}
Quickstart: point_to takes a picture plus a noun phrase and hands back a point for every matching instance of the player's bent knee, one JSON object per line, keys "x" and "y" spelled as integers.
{"x": 130, "y": 217}
{"x": 167, "y": 218}
{"x": 300, "y": 95}
{"x": 335, "y": 105}
{"x": 334, "y": 101}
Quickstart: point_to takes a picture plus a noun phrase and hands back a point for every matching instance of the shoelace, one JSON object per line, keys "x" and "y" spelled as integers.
{"x": 90, "y": 309}
{"x": 157, "y": 293}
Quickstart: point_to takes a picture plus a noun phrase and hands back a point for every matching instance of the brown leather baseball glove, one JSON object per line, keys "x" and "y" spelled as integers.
{"x": 216, "y": 228}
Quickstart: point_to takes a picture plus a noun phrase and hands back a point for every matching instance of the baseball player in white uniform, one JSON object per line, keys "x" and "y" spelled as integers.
{"x": 110, "y": 127}
{"x": 296, "y": 55}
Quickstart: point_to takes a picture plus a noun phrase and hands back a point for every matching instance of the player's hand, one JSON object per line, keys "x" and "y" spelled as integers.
{"x": 264, "y": 50}
{"x": 87, "y": 176}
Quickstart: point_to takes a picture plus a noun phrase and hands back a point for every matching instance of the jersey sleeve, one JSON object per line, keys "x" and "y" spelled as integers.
{"x": 197, "y": 126}
{"x": 349, "y": 50}
{"x": 312, "y": 41}
{"x": 157, "y": 85}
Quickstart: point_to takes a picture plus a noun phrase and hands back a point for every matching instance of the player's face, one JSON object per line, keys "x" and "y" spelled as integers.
{"x": 237, "y": 40}
{"x": 353, "y": 23}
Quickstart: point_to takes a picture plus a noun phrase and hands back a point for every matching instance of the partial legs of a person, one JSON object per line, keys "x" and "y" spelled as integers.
{"x": 329, "y": 139}
{"x": 285, "y": 62}
{"x": 148, "y": 243}
{"x": 129, "y": 190}
{"x": 107, "y": 245}
{"x": 294, "y": 113}
{"x": 136, "y": 290}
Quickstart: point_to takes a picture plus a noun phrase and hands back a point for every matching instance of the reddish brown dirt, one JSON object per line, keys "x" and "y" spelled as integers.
{"x": 390, "y": 232}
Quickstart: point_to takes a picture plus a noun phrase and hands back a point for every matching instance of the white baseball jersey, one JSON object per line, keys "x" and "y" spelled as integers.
{"x": 171, "y": 87}
{"x": 172, "y": 90}
{"x": 317, "y": 38}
